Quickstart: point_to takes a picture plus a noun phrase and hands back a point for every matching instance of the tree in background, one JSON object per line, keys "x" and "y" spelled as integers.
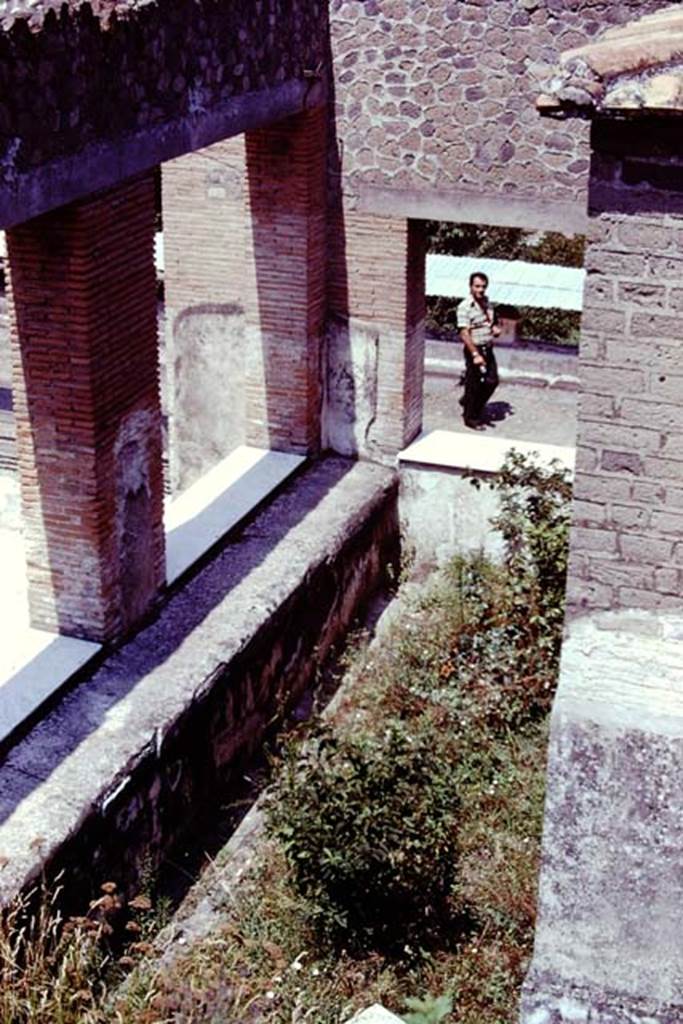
{"x": 549, "y": 325}
{"x": 505, "y": 243}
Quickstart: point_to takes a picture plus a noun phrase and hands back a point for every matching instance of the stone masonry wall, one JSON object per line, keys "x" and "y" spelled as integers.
{"x": 627, "y": 535}
{"x": 137, "y": 756}
{"x": 118, "y": 88}
{"x": 435, "y": 106}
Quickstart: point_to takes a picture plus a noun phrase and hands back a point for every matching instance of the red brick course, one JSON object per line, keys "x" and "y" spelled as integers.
{"x": 86, "y": 397}
{"x": 204, "y": 225}
{"x": 284, "y": 287}
{"x": 377, "y": 277}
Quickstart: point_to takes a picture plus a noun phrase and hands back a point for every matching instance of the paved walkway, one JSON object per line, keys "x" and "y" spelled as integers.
{"x": 519, "y": 412}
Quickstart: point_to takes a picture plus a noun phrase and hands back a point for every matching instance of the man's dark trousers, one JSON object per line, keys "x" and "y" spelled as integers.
{"x": 479, "y": 386}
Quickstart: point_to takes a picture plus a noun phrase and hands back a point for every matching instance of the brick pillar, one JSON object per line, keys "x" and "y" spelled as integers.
{"x": 375, "y": 334}
{"x": 204, "y": 262}
{"x": 627, "y": 523}
{"x": 285, "y": 281}
{"x": 86, "y": 398}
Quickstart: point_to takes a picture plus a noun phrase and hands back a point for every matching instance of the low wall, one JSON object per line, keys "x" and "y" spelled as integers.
{"x": 138, "y": 755}
{"x": 521, "y": 362}
{"x": 445, "y": 502}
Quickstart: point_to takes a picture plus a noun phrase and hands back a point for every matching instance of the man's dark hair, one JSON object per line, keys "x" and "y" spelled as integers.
{"x": 478, "y": 274}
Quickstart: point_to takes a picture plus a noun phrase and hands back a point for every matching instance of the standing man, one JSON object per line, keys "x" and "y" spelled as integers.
{"x": 478, "y": 328}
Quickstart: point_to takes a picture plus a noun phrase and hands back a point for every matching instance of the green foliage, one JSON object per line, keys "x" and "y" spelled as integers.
{"x": 505, "y": 243}
{"x": 534, "y": 521}
{"x": 422, "y": 800}
{"x": 368, "y": 827}
{"x": 552, "y": 326}
{"x": 475, "y": 240}
{"x": 431, "y": 1010}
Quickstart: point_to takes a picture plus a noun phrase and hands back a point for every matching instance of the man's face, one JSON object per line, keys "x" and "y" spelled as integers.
{"x": 478, "y": 288}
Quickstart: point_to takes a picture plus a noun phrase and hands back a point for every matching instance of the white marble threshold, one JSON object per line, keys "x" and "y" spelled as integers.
{"x": 451, "y": 450}
{"x": 34, "y": 664}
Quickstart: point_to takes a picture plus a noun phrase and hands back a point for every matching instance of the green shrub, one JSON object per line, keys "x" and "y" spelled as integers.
{"x": 368, "y": 827}
{"x": 501, "y": 665}
{"x": 505, "y": 243}
{"x": 535, "y": 510}
{"x": 431, "y": 1010}
{"x": 553, "y": 326}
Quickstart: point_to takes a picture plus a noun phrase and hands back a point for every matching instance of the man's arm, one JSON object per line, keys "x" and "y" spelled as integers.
{"x": 495, "y": 326}
{"x": 477, "y": 357}
{"x": 466, "y": 334}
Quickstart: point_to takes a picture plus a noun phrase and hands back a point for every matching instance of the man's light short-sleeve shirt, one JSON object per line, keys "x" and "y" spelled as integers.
{"x": 480, "y": 321}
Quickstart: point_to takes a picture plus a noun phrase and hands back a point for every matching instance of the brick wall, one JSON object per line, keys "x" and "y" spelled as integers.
{"x": 86, "y": 399}
{"x": 375, "y": 334}
{"x": 204, "y": 221}
{"x": 284, "y": 287}
{"x": 627, "y": 536}
{"x": 435, "y": 106}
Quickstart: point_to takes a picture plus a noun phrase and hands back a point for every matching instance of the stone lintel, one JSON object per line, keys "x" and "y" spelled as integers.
{"x": 101, "y": 164}
{"x": 470, "y": 207}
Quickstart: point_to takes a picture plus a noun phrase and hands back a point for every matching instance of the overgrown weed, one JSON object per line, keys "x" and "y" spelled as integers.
{"x": 471, "y": 667}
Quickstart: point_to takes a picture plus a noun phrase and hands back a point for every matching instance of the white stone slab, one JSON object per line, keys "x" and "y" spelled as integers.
{"x": 375, "y": 1015}
{"x": 451, "y": 450}
{"x": 33, "y": 663}
{"x": 37, "y": 665}
{"x": 204, "y": 513}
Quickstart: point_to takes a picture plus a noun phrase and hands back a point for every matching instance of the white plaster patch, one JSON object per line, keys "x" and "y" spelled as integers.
{"x": 375, "y": 1015}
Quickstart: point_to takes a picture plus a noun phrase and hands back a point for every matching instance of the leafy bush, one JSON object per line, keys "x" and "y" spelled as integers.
{"x": 431, "y": 1010}
{"x": 505, "y": 243}
{"x": 552, "y": 326}
{"x": 368, "y": 827}
{"x": 500, "y": 666}
{"x": 534, "y": 521}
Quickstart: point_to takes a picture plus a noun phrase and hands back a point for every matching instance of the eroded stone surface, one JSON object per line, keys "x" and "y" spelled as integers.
{"x": 608, "y": 947}
{"x": 637, "y": 66}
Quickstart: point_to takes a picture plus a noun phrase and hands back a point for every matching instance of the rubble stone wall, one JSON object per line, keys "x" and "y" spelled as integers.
{"x": 435, "y": 107}
{"x": 110, "y": 89}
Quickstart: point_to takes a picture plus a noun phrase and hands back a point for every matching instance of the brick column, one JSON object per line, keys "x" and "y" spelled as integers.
{"x": 375, "y": 334}
{"x": 285, "y": 281}
{"x": 85, "y": 379}
{"x": 627, "y": 524}
{"x": 204, "y": 268}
